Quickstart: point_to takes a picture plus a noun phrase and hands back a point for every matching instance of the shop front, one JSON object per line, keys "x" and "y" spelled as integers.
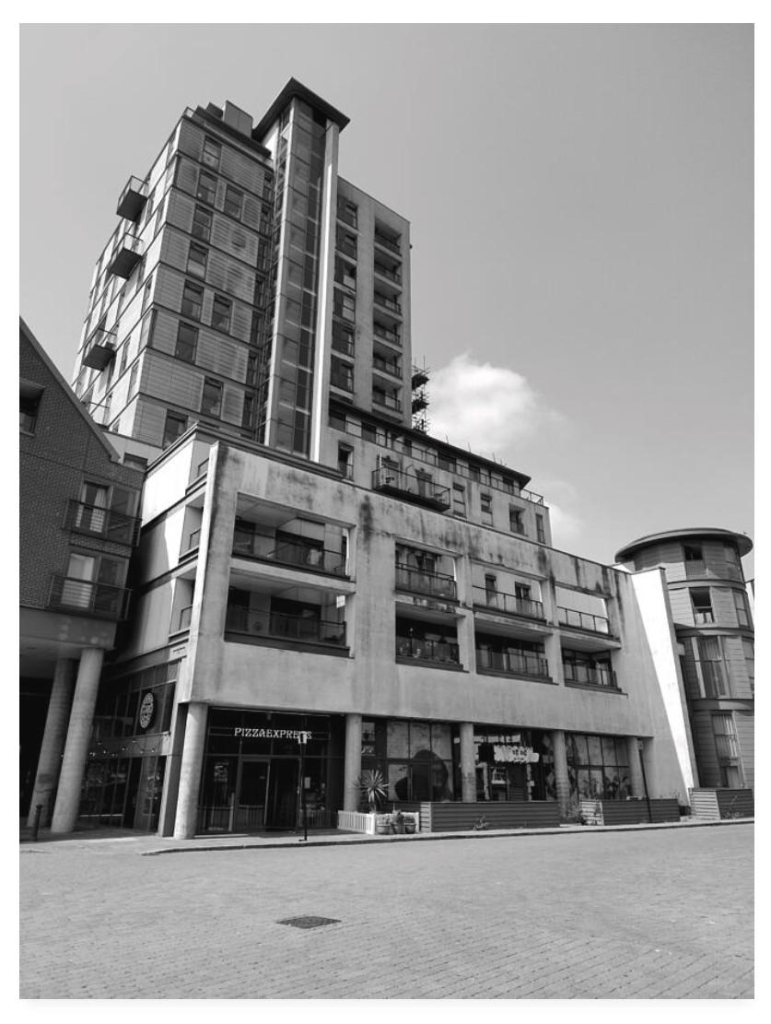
{"x": 257, "y": 764}
{"x": 514, "y": 764}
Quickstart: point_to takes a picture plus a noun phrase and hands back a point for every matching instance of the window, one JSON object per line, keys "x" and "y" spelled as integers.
{"x": 342, "y": 338}
{"x": 147, "y": 295}
{"x": 29, "y": 405}
{"x": 345, "y": 460}
{"x": 133, "y": 377}
{"x": 692, "y": 552}
{"x": 187, "y": 342}
{"x": 212, "y": 151}
{"x": 346, "y": 243}
{"x": 337, "y": 420}
{"x": 201, "y": 224}
{"x": 176, "y": 425}
{"x": 341, "y": 374}
{"x": 207, "y": 187}
{"x": 516, "y": 519}
{"x": 93, "y": 583}
{"x": 211, "y": 399}
{"x": 727, "y": 749}
{"x": 459, "y": 499}
{"x": 196, "y": 260}
{"x": 749, "y": 661}
{"x": 234, "y": 200}
{"x": 247, "y": 413}
{"x": 192, "y": 300}
{"x": 742, "y": 611}
{"x": 711, "y": 667}
{"x": 344, "y": 305}
{"x": 221, "y": 312}
{"x": 702, "y": 607}
{"x": 540, "y": 530}
{"x": 486, "y": 503}
{"x": 345, "y": 274}
{"x": 124, "y": 355}
{"x": 348, "y": 212}
{"x": 491, "y": 589}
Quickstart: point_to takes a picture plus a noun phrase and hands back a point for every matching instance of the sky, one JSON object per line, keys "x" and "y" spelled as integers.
{"x": 581, "y": 208}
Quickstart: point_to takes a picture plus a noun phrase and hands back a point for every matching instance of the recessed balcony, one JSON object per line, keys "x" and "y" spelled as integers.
{"x": 420, "y": 581}
{"x": 300, "y": 555}
{"x": 590, "y": 675}
{"x": 583, "y": 620}
{"x": 389, "y": 273}
{"x": 419, "y": 649}
{"x": 390, "y": 366}
{"x": 493, "y": 601}
{"x": 132, "y": 199}
{"x": 387, "y": 400}
{"x": 86, "y": 597}
{"x": 387, "y": 241}
{"x": 281, "y": 626}
{"x": 391, "y": 335}
{"x": 386, "y": 302}
{"x": 128, "y": 252}
{"x": 511, "y": 662}
{"x": 106, "y": 523}
{"x": 100, "y": 349}
{"x": 412, "y": 487}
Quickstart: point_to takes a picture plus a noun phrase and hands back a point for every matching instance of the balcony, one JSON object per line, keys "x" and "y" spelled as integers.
{"x": 304, "y": 556}
{"x": 100, "y": 349}
{"x": 392, "y": 244}
{"x": 132, "y": 199}
{"x": 387, "y": 303}
{"x": 583, "y": 620}
{"x": 390, "y": 366}
{"x": 128, "y": 252}
{"x": 492, "y": 600}
{"x": 347, "y": 246}
{"x": 346, "y": 216}
{"x": 85, "y": 597}
{"x": 513, "y": 663}
{"x": 391, "y": 336}
{"x": 590, "y": 675}
{"x": 390, "y": 402}
{"x": 281, "y": 626}
{"x": 437, "y": 651}
{"x": 101, "y": 522}
{"x": 435, "y": 584}
{"x": 389, "y": 273}
{"x": 343, "y": 381}
{"x": 411, "y": 487}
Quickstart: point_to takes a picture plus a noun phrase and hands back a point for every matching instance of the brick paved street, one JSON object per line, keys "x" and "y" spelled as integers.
{"x": 591, "y": 914}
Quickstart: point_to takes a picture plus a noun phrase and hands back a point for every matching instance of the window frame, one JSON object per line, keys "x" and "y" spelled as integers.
{"x": 192, "y": 307}
{"x": 221, "y": 320}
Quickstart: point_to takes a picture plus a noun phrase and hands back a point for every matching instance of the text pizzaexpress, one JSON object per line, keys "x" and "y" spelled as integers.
{"x": 271, "y": 734}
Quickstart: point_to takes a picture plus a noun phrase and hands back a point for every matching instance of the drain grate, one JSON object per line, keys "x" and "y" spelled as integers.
{"x": 308, "y": 921}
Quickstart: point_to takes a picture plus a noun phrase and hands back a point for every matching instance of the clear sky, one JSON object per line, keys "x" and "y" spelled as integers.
{"x": 581, "y": 201}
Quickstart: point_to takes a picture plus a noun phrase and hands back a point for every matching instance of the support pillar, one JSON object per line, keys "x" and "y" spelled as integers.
{"x": 561, "y": 777}
{"x": 78, "y": 736}
{"x": 352, "y": 769}
{"x": 635, "y": 767}
{"x": 468, "y": 773}
{"x": 186, "y": 822}
{"x": 54, "y": 735}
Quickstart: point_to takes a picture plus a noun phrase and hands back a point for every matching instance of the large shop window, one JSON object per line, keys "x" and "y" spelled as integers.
{"x": 598, "y": 767}
{"x": 514, "y": 764}
{"x": 416, "y": 758}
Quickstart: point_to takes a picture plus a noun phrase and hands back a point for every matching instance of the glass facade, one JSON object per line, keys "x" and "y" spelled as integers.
{"x": 513, "y": 764}
{"x": 598, "y": 767}
{"x": 415, "y": 758}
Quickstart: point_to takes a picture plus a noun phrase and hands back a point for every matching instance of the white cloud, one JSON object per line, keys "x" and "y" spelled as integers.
{"x": 566, "y": 527}
{"x": 484, "y": 407}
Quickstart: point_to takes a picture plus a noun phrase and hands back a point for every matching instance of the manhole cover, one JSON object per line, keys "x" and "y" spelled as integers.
{"x": 309, "y": 922}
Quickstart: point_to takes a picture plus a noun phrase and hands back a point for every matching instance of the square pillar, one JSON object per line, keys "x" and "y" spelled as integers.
{"x": 561, "y": 777}
{"x": 468, "y": 773}
{"x": 352, "y": 769}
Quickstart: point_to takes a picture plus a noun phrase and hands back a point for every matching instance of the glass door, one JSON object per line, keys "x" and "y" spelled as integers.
{"x": 252, "y": 792}
{"x": 283, "y": 794}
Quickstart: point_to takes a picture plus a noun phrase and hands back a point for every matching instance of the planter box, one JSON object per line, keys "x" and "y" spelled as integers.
{"x": 629, "y": 812}
{"x": 721, "y": 804}
{"x": 461, "y": 817}
{"x": 356, "y": 821}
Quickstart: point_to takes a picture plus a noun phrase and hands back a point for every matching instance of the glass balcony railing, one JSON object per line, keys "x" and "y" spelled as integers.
{"x": 100, "y": 349}
{"x": 279, "y": 625}
{"x": 128, "y": 252}
{"x": 515, "y": 663}
{"x": 101, "y": 522}
{"x": 132, "y": 199}
{"x": 411, "y": 487}
{"x": 86, "y": 597}
{"x": 509, "y": 603}
{"x": 436, "y": 584}
{"x": 427, "y": 650}
{"x": 583, "y": 620}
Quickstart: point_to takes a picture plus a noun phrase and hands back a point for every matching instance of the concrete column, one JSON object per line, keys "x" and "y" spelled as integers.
{"x": 552, "y": 648}
{"x": 561, "y": 777}
{"x": 468, "y": 773}
{"x": 54, "y": 736}
{"x": 352, "y": 770}
{"x": 78, "y": 736}
{"x": 635, "y": 767}
{"x": 186, "y": 821}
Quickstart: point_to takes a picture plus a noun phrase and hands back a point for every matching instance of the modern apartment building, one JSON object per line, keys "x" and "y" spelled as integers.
{"x": 320, "y": 583}
{"x": 716, "y": 643}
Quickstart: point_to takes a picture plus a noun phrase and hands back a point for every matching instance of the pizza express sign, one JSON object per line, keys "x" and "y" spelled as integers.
{"x": 300, "y": 735}
{"x": 147, "y": 710}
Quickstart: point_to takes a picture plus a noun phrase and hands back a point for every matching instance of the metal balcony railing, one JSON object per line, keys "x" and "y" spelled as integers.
{"x": 386, "y": 242}
{"x": 347, "y": 246}
{"x": 343, "y": 343}
{"x": 516, "y": 663}
{"x": 437, "y": 584}
{"x": 583, "y": 620}
{"x": 509, "y": 603}
{"x": 279, "y": 625}
{"x": 411, "y": 487}
{"x": 384, "y": 333}
{"x": 392, "y": 275}
{"x": 427, "y": 650}
{"x": 387, "y": 401}
{"x": 85, "y": 597}
{"x": 344, "y": 381}
{"x": 346, "y": 217}
{"x": 101, "y": 522}
{"x": 590, "y": 675}
{"x": 308, "y": 557}
{"x": 386, "y": 365}
{"x": 387, "y": 303}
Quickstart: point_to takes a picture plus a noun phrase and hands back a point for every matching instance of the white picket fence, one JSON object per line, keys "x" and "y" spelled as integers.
{"x": 356, "y": 821}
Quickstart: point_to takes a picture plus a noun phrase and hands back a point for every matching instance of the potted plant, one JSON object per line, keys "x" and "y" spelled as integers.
{"x": 397, "y": 822}
{"x": 410, "y": 826}
{"x": 372, "y": 786}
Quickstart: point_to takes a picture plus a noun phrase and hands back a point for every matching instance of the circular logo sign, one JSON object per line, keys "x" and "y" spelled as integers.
{"x": 147, "y": 711}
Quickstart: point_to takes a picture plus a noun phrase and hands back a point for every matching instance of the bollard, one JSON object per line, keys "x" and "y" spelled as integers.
{"x": 36, "y": 822}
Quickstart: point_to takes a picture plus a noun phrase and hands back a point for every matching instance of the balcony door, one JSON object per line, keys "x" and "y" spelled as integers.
{"x": 92, "y": 512}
